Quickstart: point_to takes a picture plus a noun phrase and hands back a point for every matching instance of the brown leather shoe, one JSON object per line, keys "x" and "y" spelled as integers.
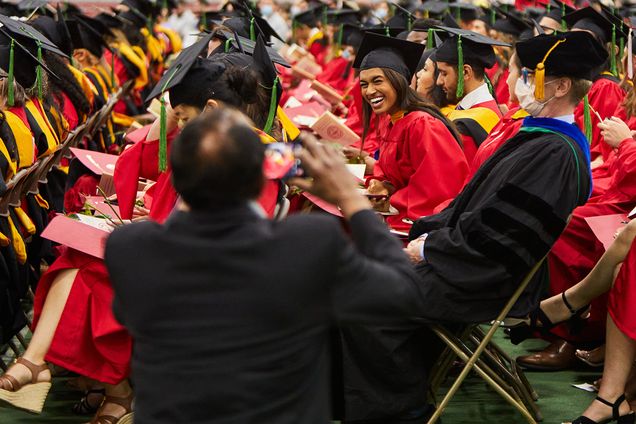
{"x": 559, "y": 355}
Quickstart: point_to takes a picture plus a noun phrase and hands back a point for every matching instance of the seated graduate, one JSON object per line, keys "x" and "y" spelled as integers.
{"x": 462, "y": 60}
{"x": 613, "y": 273}
{"x": 471, "y": 256}
{"x": 420, "y": 163}
{"x": 251, "y": 330}
{"x": 425, "y": 84}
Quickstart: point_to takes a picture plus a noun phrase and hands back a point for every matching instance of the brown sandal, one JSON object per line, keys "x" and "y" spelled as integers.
{"x": 30, "y": 396}
{"x": 125, "y": 403}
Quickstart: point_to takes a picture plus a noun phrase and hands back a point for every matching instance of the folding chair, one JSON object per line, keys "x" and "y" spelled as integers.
{"x": 480, "y": 354}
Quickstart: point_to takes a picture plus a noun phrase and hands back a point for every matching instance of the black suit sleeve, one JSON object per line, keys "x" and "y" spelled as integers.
{"x": 375, "y": 281}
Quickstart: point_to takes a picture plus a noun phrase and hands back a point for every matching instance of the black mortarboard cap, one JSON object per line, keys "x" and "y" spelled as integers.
{"x": 263, "y": 62}
{"x": 557, "y": 10}
{"x": 88, "y": 33}
{"x": 401, "y": 17}
{"x": 450, "y": 22}
{"x": 534, "y": 12}
{"x": 110, "y": 20}
{"x": 31, "y": 4}
{"x": 9, "y": 9}
{"x": 379, "y": 51}
{"x": 13, "y": 28}
{"x": 560, "y": 55}
{"x": 352, "y": 35}
{"x": 309, "y": 17}
{"x": 596, "y": 22}
{"x": 466, "y": 47}
{"x": 247, "y": 46}
{"x": 433, "y": 8}
{"x": 56, "y": 31}
{"x": 27, "y": 64}
{"x": 511, "y": 24}
{"x": 464, "y": 11}
{"x": 343, "y": 16}
{"x": 179, "y": 68}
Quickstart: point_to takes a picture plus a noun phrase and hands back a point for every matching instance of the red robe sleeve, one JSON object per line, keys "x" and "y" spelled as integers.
{"x": 334, "y": 74}
{"x": 429, "y": 170}
{"x": 622, "y": 185}
{"x": 622, "y": 296}
{"x": 605, "y": 97}
{"x": 138, "y": 161}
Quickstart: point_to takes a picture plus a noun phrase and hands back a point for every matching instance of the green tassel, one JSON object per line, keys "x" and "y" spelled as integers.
{"x": 387, "y": 30}
{"x": 252, "y": 30}
{"x": 273, "y": 105}
{"x": 38, "y": 73}
{"x": 339, "y": 38}
{"x": 587, "y": 119}
{"x": 11, "y": 92}
{"x": 458, "y": 15}
{"x": 621, "y": 48}
{"x": 491, "y": 89}
{"x": 409, "y": 23}
{"x": 548, "y": 7}
{"x": 324, "y": 16}
{"x": 430, "y": 39}
{"x": 204, "y": 20}
{"x": 228, "y": 44}
{"x": 163, "y": 137}
{"x": 460, "y": 68}
{"x": 493, "y": 17}
{"x": 613, "y": 68}
{"x": 564, "y": 26}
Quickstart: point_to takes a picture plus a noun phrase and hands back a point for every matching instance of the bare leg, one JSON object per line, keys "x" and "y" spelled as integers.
{"x": 47, "y": 324}
{"x": 596, "y": 283}
{"x": 620, "y": 354}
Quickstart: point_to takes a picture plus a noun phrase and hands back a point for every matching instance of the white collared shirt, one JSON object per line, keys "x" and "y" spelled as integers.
{"x": 566, "y": 118}
{"x": 479, "y": 95}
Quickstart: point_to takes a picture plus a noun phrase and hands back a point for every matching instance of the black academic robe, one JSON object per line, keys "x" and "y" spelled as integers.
{"x": 230, "y": 313}
{"x": 477, "y": 251}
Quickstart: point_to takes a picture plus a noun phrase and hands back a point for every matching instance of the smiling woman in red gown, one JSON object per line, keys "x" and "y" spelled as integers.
{"x": 421, "y": 163}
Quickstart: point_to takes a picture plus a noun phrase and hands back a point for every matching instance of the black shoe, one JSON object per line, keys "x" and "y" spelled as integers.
{"x": 616, "y": 417}
{"x": 523, "y": 331}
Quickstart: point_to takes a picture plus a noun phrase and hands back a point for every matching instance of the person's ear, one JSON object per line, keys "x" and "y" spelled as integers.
{"x": 563, "y": 87}
{"x": 468, "y": 73}
{"x": 211, "y": 104}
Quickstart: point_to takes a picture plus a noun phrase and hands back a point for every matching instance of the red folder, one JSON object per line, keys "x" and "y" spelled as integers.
{"x": 98, "y": 163}
{"x": 77, "y": 235}
{"x": 605, "y": 227}
{"x": 325, "y": 206}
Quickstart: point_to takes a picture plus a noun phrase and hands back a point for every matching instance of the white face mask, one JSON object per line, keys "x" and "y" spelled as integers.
{"x": 525, "y": 93}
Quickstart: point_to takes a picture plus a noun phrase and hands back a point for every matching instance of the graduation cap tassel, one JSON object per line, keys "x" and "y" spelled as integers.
{"x": 273, "y": 104}
{"x": 252, "y": 30}
{"x": 387, "y": 30}
{"x": 38, "y": 73}
{"x": 493, "y": 17}
{"x": 539, "y": 73}
{"x": 564, "y": 26}
{"x": 621, "y": 49}
{"x": 491, "y": 89}
{"x": 409, "y": 23}
{"x": 11, "y": 92}
{"x": 426, "y": 15}
{"x": 430, "y": 39}
{"x": 163, "y": 137}
{"x": 587, "y": 119}
{"x": 460, "y": 68}
{"x": 228, "y": 44}
{"x": 613, "y": 68}
{"x": 339, "y": 39}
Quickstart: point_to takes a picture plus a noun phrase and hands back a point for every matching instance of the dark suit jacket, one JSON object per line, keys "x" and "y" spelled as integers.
{"x": 230, "y": 312}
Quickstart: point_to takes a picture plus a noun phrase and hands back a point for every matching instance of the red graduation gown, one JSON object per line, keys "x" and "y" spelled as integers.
{"x": 88, "y": 340}
{"x": 605, "y": 96}
{"x": 425, "y": 164}
{"x": 577, "y": 250}
{"x": 338, "y": 74}
{"x": 622, "y": 296}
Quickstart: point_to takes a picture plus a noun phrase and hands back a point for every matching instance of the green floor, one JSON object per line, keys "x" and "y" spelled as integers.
{"x": 475, "y": 403}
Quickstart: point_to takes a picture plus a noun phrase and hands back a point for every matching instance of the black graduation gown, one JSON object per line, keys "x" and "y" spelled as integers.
{"x": 477, "y": 251}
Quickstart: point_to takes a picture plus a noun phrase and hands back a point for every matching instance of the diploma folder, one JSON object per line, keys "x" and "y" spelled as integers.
{"x": 87, "y": 236}
{"x": 604, "y": 227}
{"x": 329, "y": 128}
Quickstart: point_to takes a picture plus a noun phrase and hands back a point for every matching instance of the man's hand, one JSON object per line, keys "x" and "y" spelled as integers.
{"x": 330, "y": 178}
{"x": 414, "y": 250}
{"x": 614, "y": 131}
